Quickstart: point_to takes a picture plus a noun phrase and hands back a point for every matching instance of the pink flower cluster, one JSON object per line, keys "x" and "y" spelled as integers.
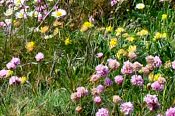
{"x": 170, "y": 112}
{"x": 13, "y": 63}
{"x": 102, "y": 70}
{"x": 102, "y": 112}
{"x": 154, "y": 61}
{"x": 119, "y": 79}
{"x": 113, "y": 64}
{"x": 127, "y": 68}
{"x": 137, "y": 80}
{"x": 81, "y": 92}
{"x": 152, "y": 102}
{"x": 127, "y": 108}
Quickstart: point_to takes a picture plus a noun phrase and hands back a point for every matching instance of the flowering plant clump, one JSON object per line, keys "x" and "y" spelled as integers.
{"x": 87, "y": 57}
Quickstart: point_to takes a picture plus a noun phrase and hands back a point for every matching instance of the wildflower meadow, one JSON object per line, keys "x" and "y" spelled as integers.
{"x": 87, "y": 58}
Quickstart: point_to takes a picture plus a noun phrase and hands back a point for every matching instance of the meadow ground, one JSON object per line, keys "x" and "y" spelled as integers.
{"x": 87, "y": 57}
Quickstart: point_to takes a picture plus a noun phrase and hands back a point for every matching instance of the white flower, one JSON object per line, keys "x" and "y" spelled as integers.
{"x": 8, "y": 12}
{"x": 140, "y": 6}
{"x": 58, "y": 13}
{"x": 33, "y": 14}
{"x": 21, "y": 14}
{"x": 48, "y": 36}
{"x": 8, "y": 21}
{"x": 18, "y": 2}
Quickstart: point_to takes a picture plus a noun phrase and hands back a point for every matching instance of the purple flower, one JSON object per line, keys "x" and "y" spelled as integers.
{"x": 113, "y": 64}
{"x": 3, "y": 73}
{"x": 97, "y": 99}
{"x": 170, "y": 112}
{"x": 127, "y": 108}
{"x": 157, "y": 61}
{"x": 152, "y": 102}
{"x": 119, "y": 79}
{"x": 39, "y": 56}
{"x": 127, "y": 68}
{"x": 102, "y": 112}
{"x": 108, "y": 82}
{"x": 157, "y": 86}
{"x": 137, "y": 80}
{"x": 14, "y": 80}
{"x": 102, "y": 70}
{"x": 173, "y": 64}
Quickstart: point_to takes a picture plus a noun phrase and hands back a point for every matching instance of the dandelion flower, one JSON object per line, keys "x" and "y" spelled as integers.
{"x": 67, "y": 41}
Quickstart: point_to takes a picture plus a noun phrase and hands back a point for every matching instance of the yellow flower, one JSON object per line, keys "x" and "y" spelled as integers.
{"x": 132, "y": 48}
{"x": 113, "y": 42}
{"x": 121, "y": 52}
{"x": 153, "y": 77}
{"x": 9, "y": 73}
{"x": 119, "y": 30}
{"x": 143, "y": 32}
{"x": 67, "y": 41}
{"x": 44, "y": 29}
{"x": 23, "y": 79}
{"x": 125, "y": 35}
{"x": 164, "y": 35}
{"x": 30, "y": 46}
{"x": 140, "y": 6}
{"x": 156, "y": 76}
{"x": 159, "y": 35}
{"x": 164, "y": 16}
{"x": 130, "y": 39}
{"x": 55, "y": 32}
{"x": 109, "y": 29}
{"x": 86, "y": 26}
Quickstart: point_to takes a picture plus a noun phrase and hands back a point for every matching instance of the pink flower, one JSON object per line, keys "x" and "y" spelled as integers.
{"x": 113, "y": 64}
{"x": 127, "y": 68}
{"x": 103, "y": 112}
{"x": 39, "y": 56}
{"x": 95, "y": 78}
{"x": 157, "y": 61}
{"x": 81, "y": 91}
{"x": 170, "y": 112}
{"x": 127, "y": 108}
{"x": 152, "y": 102}
{"x": 3, "y": 73}
{"x": 113, "y": 2}
{"x": 2, "y": 24}
{"x": 97, "y": 99}
{"x": 14, "y": 80}
{"x": 10, "y": 65}
{"x": 15, "y": 61}
{"x": 173, "y": 64}
{"x": 137, "y": 80}
{"x": 102, "y": 70}
{"x": 100, "y": 89}
{"x": 157, "y": 86}
{"x": 119, "y": 79}
{"x": 99, "y": 55}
